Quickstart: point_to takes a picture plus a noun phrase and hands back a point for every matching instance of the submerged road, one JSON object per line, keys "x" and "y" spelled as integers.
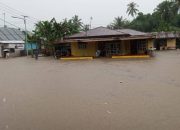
{"x": 100, "y": 94}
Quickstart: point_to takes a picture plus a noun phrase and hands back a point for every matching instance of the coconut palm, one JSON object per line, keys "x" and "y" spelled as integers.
{"x": 118, "y": 23}
{"x": 132, "y": 9}
{"x": 76, "y": 24}
{"x": 86, "y": 27}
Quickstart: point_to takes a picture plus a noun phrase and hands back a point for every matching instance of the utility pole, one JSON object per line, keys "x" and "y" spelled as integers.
{"x": 4, "y": 14}
{"x": 24, "y": 19}
{"x": 91, "y": 18}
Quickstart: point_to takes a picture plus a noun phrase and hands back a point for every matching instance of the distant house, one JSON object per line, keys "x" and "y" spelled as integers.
{"x": 11, "y": 39}
{"x": 167, "y": 40}
{"x": 106, "y": 42}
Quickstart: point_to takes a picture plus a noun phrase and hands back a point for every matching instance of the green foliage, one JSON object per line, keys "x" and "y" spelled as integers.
{"x": 119, "y": 23}
{"x": 143, "y": 23}
{"x": 166, "y": 10}
{"x": 49, "y": 31}
{"x": 86, "y": 27}
{"x": 165, "y": 17}
{"x": 176, "y": 21}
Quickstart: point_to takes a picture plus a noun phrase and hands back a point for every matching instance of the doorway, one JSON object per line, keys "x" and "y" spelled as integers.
{"x": 63, "y": 50}
{"x": 134, "y": 47}
{"x": 178, "y": 43}
{"x": 109, "y": 48}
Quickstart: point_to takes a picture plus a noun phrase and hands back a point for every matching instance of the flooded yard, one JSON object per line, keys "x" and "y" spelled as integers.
{"x": 100, "y": 94}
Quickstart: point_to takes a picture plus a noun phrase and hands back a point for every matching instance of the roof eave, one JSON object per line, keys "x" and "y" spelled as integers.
{"x": 12, "y": 42}
{"x": 100, "y": 36}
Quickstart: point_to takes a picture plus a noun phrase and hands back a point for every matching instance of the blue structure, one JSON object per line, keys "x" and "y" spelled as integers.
{"x": 33, "y": 46}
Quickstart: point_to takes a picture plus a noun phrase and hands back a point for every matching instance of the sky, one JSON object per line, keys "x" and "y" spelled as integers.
{"x": 102, "y": 11}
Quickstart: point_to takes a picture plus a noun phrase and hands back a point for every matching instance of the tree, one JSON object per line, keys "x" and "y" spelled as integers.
{"x": 118, "y": 23}
{"x": 166, "y": 10}
{"x": 75, "y": 24}
{"x": 164, "y": 18}
{"x": 177, "y": 2}
{"x": 132, "y": 9}
{"x": 86, "y": 27}
{"x": 176, "y": 21}
{"x": 44, "y": 29}
{"x": 144, "y": 23}
{"x": 52, "y": 30}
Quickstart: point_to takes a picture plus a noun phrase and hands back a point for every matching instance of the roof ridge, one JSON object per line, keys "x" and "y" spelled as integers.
{"x": 98, "y": 31}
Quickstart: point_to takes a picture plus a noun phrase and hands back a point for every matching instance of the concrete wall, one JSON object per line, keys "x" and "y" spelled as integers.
{"x": 1, "y": 50}
{"x": 90, "y": 50}
{"x": 125, "y": 47}
{"x": 16, "y": 49}
{"x": 171, "y": 43}
{"x": 150, "y": 43}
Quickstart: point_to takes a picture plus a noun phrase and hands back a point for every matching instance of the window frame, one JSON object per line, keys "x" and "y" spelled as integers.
{"x": 82, "y": 45}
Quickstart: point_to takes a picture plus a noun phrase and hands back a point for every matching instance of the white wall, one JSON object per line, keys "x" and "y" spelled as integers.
{"x": 17, "y": 47}
{"x": 0, "y": 50}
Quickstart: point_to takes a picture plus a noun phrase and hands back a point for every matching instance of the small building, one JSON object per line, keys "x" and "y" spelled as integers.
{"x": 11, "y": 40}
{"x": 31, "y": 46}
{"x": 104, "y": 42}
{"x": 167, "y": 40}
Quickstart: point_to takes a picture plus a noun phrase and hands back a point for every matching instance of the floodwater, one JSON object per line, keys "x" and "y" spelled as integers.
{"x": 102, "y": 94}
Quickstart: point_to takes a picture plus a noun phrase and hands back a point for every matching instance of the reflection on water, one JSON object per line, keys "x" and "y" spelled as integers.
{"x": 102, "y": 94}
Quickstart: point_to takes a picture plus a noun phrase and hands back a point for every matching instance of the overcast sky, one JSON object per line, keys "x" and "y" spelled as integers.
{"x": 102, "y": 11}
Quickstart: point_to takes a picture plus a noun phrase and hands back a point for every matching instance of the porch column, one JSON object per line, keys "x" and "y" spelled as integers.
{"x": 0, "y": 50}
{"x": 150, "y": 43}
{"x": 123, "y": 48}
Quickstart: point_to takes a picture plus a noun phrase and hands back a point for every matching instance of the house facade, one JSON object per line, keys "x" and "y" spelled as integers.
{"x": 104, "y": 42}
{"x": 11, "y": 40}
{"x": 167, "y": 40}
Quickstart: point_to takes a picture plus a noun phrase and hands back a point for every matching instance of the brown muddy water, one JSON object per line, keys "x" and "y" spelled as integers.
{"x": 101, "y": 94}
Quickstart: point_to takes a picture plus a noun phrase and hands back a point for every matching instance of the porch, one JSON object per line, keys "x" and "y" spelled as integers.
{"x": 102, "y": 48}
{"x": 165, "y": 44}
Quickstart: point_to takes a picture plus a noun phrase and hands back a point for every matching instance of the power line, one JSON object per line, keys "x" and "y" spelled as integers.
{"x": 14, "y": 12}
{"x": 11, "y": 14}
{"x": 10, "y": 24}
{"x": 17, "y": 11}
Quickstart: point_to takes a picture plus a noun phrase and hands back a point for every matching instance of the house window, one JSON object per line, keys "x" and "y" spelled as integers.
{"x": 113, "y": 48}
{"x": 142, "y": 45}
{"x": 12, "y": 50}
{"x": 82, "y": 45}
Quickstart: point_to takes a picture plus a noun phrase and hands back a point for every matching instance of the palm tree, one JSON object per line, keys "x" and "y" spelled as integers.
{"x": 86, "y": 27}
{"x": 118, "y": 23}
{"x": 76, "y": 24}
{"x": 132, "y": 9}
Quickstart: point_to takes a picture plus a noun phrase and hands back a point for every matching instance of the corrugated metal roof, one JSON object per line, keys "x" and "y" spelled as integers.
{"x": 96, "y": 32}
{"x": 11, "y": 34}
{"x": 132, "y": 32}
